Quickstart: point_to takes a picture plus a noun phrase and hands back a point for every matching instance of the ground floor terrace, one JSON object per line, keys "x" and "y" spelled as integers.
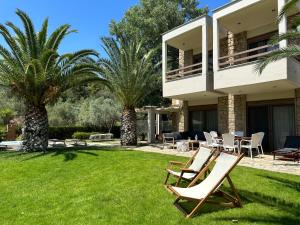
{"x": 276, "y": 113}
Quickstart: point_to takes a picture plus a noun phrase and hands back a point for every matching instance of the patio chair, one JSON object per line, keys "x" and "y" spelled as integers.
{"x": 215, "y": 137}
{"x": 262, "y": 134}
{"x": 171, "y": 138}
{"x": 202, "y": 193}
{"x": 192, "y": 168}
{"x": 254, "y": 143}
{"x": 229, "y": 143}
{"x": 210, "y": 142}
{"x": 290, "y": 149}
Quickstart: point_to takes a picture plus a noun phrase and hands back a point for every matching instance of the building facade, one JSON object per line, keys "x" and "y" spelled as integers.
{"x": 214, "y": 82}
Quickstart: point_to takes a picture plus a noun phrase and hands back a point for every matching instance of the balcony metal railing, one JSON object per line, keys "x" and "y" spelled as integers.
{"x": 245, "y": 56}
{"x": 184, "y": 72}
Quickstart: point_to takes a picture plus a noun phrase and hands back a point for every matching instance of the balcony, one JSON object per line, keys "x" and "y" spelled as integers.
{"x": 239, "y": 41}
{"x": 192, "y": 72}
{"x": 184, "y": 72}
{"x": 247, "y": 56}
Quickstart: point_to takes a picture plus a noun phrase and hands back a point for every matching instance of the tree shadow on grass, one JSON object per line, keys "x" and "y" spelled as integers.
{"x": 69, "y": 154}
{"x": 72, "y": 153}
{"x": 290, "y": 209}
{"x": 287, "y": 183}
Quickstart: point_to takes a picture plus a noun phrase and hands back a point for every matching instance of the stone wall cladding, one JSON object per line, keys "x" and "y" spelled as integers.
{"x": 232, "y": 44}
{"x": 223, "y": 114}
{"x": 183, "y": 117}
{"x": 232, "y": 113}
{"x": 237, "y": 113}
{"x": 223, "y": 47}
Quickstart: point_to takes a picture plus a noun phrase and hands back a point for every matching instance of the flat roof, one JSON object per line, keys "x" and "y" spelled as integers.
{"x": 188, "y": 22}
{"x": 226, "y": 5}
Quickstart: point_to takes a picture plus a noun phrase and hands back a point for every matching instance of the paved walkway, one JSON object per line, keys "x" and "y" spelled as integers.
{"x": 266, "y": 162}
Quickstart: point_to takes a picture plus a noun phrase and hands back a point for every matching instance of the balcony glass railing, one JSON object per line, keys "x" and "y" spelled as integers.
{"x": 245, "y": 56}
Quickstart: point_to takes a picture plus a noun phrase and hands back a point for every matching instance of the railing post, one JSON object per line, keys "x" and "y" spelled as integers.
{"x": 282, "y": 26}
{"x": 216, "y": 44}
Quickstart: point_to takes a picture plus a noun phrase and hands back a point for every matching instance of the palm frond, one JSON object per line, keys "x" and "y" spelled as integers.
{"x": 128, "y": 69}
{"x": 287, "y": 7}
{"x": 30, "y": 32}
{"x": 288, "y": 52}
{"x": 291, "y": 36}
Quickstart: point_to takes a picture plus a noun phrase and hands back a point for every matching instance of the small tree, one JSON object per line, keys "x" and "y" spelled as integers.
{"x": 6, "y": 115}
{"x": 109, "y": 114}
{"x": 100, "y": 112}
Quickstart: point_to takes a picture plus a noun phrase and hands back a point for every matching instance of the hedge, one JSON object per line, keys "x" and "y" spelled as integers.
{"x": 82, "y": 135}
{"x": 67, "y": 132}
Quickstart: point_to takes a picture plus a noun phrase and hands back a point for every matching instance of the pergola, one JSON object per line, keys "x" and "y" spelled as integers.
{"x": 156, "y": 112}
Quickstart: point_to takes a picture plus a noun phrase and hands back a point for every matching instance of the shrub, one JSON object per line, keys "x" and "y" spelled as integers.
{"x": 63, "y": 132}
{"x": 82, "y": 135}
{"x": 2, "y": 135}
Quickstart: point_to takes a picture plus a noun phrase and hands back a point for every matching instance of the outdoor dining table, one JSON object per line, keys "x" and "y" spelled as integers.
{"x": 237, "y": 138}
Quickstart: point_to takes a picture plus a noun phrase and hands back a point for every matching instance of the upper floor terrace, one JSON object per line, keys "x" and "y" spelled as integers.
{"x": 242, "y": 31}
{"x": 187, "y": 59}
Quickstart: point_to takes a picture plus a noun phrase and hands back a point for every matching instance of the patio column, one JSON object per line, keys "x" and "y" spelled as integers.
{"x": 158, "y": 123}
{"x": 151, "y": 124}
{"x": 205, "y": 48}
{"x": 282, "y": 26}
{"x": 297, "y": 111}
{"x": 216, "y": 44}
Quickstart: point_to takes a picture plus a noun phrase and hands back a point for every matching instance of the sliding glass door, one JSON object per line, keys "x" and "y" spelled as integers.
{"x": 276, "y": 121}
{"x": 283, "y": 124}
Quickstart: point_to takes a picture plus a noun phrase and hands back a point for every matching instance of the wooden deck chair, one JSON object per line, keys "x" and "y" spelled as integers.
{"x": 202, "y": 192}
{"x": 193, "y": 167}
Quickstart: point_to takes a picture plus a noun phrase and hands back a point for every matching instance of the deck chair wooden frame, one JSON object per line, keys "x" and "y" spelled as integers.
{"x": 185, "y": 168}
{"x": 232, "y": 200}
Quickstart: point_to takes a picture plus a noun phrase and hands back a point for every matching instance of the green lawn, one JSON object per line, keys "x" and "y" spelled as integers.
{"x": 125, "y": 187}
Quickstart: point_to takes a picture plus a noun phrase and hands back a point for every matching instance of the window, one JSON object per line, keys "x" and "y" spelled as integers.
{"x": 203, "y": 120}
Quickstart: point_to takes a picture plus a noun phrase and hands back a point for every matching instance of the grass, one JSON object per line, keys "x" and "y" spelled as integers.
{"x": 125, "y": 187}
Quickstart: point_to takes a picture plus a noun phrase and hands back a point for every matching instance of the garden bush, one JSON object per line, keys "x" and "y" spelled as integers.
{"x": 82, "y": 135}
{"x": 66, "y": 132}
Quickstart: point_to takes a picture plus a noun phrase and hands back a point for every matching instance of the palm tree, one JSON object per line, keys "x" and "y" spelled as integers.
{"x": 130, "y": 73}
{"x": 293, "y": 35}
{"x": 32, "y": 69}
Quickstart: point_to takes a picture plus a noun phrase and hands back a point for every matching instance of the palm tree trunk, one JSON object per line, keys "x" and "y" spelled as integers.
{"x": 35, "y": 134}
{"x": 128, "y": 127}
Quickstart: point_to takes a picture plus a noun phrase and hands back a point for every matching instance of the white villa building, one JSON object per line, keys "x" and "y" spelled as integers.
{"x": 216, "y": 87}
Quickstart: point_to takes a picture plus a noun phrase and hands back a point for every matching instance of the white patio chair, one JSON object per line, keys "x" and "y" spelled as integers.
{"x": 193, "y": 167}
{"x": 202, "y": 192}
{"x": 215, "y": 137}
{"x": 262, "y": 134}
{"x": 210, "y": 142}
{"x": 229, "y": 143}
{"x": 252, "y": 144}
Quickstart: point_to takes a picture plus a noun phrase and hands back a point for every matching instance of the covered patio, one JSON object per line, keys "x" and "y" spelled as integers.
{"x": 154, "y": 119}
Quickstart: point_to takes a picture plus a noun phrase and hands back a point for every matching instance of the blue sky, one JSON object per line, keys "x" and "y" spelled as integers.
{"x": 90, "y": 17}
